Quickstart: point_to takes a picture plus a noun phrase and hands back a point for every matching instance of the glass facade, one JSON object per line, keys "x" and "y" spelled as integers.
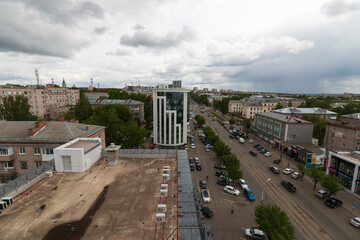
{"x": 343, "y": 170}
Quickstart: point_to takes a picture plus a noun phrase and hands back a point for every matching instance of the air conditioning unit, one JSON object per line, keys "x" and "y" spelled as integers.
{"x": 162, "y": 208}
{"x": 167, "y": 167}
{"x": 163, "y": 193}
{"x": 164, "y": 186}
{"x": 160, "y": 217}
{"x": 49, "y": 174}
{"x": 2, "y": 205}
{"x": 166, "y": 177}
{"x": 9, "y": 200}
{"x": 166, "y": 171}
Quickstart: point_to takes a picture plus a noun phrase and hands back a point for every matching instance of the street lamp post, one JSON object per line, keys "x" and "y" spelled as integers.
{"x": 262, "y": 191}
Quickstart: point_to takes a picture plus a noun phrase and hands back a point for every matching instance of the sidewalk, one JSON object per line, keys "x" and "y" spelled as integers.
{"x": 346, "y": 196}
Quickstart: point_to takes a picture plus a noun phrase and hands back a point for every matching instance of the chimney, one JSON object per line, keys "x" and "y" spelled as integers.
{"x": 37, "y": 128}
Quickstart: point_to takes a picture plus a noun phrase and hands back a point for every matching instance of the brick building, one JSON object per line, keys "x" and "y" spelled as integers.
{"x": 24, "y": 145}
{"x": 249, "y": 107}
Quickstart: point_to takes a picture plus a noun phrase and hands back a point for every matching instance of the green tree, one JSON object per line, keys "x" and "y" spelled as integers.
{"x": 274, "y": 222}
{"x": 316, "y": 175}
{"x": 16, "y": 109}
{"x": 331, "y": 184}
{"x": 83, "y": 109}
{"x": 230, "y": 160}
{"x": 132, "y": 135}
{"x": 234, "y": 173}
{"x": 279, "y": 106}
{"x": 319, "y": 126}
{"x": 213, "y": 139}
{"x": 302, "y": 170}
{"x": 221, "y": 149}
{"x": 200, "y": 119}
{"x": 232, "y": 121}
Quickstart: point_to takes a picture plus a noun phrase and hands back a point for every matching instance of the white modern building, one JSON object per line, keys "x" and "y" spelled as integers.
{"x": 171, "y": 110}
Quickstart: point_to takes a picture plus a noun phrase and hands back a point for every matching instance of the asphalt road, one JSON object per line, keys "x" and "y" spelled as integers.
{"x": 309, "y": 215}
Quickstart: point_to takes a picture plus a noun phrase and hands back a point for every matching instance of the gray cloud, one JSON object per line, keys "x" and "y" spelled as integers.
{"x": 100, "y": 30}
{"x": 151, "y": 40}
{"x": 338, "y": 7}
{"x": 138, "y": 27}
{"x": 119, "y": 52}
{"x": 47, "y": 29}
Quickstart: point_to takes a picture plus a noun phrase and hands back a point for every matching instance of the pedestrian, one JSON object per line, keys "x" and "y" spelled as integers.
{"x": 232, "y": 210}
{"x": 288, "y": 165}
{"x": 207, "y": 177}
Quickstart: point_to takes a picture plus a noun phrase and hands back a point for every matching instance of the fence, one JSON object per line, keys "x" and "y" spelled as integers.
{"x": 25, "y": 179}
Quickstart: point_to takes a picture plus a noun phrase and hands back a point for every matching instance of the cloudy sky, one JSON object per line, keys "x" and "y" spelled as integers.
{"x": 297, "y": 46}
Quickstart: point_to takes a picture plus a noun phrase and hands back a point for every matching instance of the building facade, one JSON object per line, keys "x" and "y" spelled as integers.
{"x": 24, "y": 145}
{"x": 290, "y": 102}
{"x": 345, "y": 166}
{"x": 300, "y": 112}
{"x": 171, "y": 110}
{"x": 42, "y": 98}
{"x": 249, "y": 107}
{"x": 135, "y": 107}
{"x": 343, "y": 135}
{"x": 93, "y": 96}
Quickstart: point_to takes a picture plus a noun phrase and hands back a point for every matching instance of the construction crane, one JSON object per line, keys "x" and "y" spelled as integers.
{"x": 37, "y": 76}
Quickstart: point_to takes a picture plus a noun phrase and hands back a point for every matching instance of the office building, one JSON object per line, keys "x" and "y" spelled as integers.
{"x": 171, "y": 115}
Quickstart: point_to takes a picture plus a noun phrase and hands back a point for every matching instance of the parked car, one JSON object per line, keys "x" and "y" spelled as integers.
{"x": 355, "y": 222}
{"x": 268, "y": 154}
{"x": 288, "y": 185}
{"x": 205, "y": 195}
{"x": 256, "y": 145}
{"x": 277, "y": 161}
{"x": 209, "y": 146}
{"x": 333, "y": 202}
{"x": 191, "y": 160}
{"x": 251, "y": 141}
{"x": 192, "y": 168}
{"x": 274, "y": 169}
{"x": 241, "y": 140}
{"x": 231, "y": 190}
{"x": 206, "y": 211}
{"x": 287, "y": 171}
{"x": 322, "y": 194}
{"x": 259, "y": 147}
{"x": 295, "y": 175}
{"x": 253, "y": 153}
{"x": 221, "y": 173}
{"x": 231, "y": 136}
{"x": 198, "y": 166}
{"x": 203, "y": 184}
{"x": 223, "y": 182}
{"x": 220, "y": 166}
{"x": 249, "y": 194}
{"x": 242, "y": 183}
{"x": 196, "y": 160}
{"x": 192, "y": 146}
{"x": 263, "y": 151}
{"x": 255, "y": 234}
{"x": 207, "y": 149}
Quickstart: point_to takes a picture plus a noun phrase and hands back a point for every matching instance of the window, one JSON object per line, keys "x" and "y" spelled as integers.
{"x": 4, "y": 151}
{"x": 38, "y": 164}
{"x": 343, "y": 144}
{"x": 37, "y": 151}
{"x": 48, "y": 151}
{"x": 21, "y": 150}
{"x": 9, "y": 165}
{"x": 23, "y": 165}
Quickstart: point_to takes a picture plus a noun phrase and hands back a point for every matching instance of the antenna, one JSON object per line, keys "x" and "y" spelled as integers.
{"x": 91, "y": 80}
{"x": 52, "y": 81}
{"x": 37, "y": 76}
{"x": 98, "y": 85}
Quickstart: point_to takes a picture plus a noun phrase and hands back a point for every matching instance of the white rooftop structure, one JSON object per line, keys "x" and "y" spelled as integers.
{"x": 304, "y": 111}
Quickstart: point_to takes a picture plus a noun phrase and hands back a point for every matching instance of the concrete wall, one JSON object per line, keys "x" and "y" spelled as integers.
{"x": 300, "y": 133}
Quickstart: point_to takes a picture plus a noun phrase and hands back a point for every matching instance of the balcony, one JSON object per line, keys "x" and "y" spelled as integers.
{"x": 7, "y": 158}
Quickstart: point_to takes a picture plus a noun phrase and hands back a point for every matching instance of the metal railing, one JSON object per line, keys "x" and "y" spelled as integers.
{"x": 24, "y": 179}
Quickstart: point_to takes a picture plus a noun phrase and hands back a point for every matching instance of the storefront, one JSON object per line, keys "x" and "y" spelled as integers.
{"x": 345, "y": 166}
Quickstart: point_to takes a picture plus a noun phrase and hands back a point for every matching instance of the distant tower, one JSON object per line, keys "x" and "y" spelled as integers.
{"x": 98, "y": 85}
{"x": 91, "y": 81}
{"x": 37, "y": 76}
{"x": 91, "y": 85}
{"x": 52, "y": 81}
{"x": 64, "y": 83}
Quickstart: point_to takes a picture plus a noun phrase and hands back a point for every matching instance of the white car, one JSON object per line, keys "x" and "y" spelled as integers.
{"x": 242, "y": 183}
{"x": 355, "y": 222}
{"x": 196, "y": 160}
{"x": 205, "y": 195}
{"x": 231, "y": 190}
{"x": 255, "y": 233}
{"x": 268, "y": 154}
{"x": 206, "y": 149}
{"x": 251, "y": 141}
{"x": 192, "y": 145}
{"x": 295, "y": 175}
{"x": 287, "y": 171}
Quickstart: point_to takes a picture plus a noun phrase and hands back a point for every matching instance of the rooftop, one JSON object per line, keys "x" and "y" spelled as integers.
{"x": 86, "y": 145}
{"x": 283, "y": 118}
{"x": 116, "y": 101}
{"x": 304, "y": 111}
{"x": 353, "y": 115}
{"x": 15, "y": 131}
{"x": 354, "y": 156}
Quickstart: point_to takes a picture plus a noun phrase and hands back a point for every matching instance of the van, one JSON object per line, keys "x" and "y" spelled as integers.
{"x": 322, "y": 194}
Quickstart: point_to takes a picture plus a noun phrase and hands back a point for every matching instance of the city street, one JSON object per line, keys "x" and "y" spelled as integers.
{"x": 310, "y": 216}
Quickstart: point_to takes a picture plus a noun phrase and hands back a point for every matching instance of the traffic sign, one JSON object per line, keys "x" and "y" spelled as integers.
{"x": 353, "y": 205}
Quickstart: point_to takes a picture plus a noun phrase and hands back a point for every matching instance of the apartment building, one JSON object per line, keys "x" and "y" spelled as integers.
{"x": 24, "y": 145}
{"x": 300, "y": 112}
{"x": 249, "y": 107}
{"x": 343, "y": 135}
{"x": 135, "y": 107}
{"x": 42, "y": 98}
{"x": 290, "y": 102}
